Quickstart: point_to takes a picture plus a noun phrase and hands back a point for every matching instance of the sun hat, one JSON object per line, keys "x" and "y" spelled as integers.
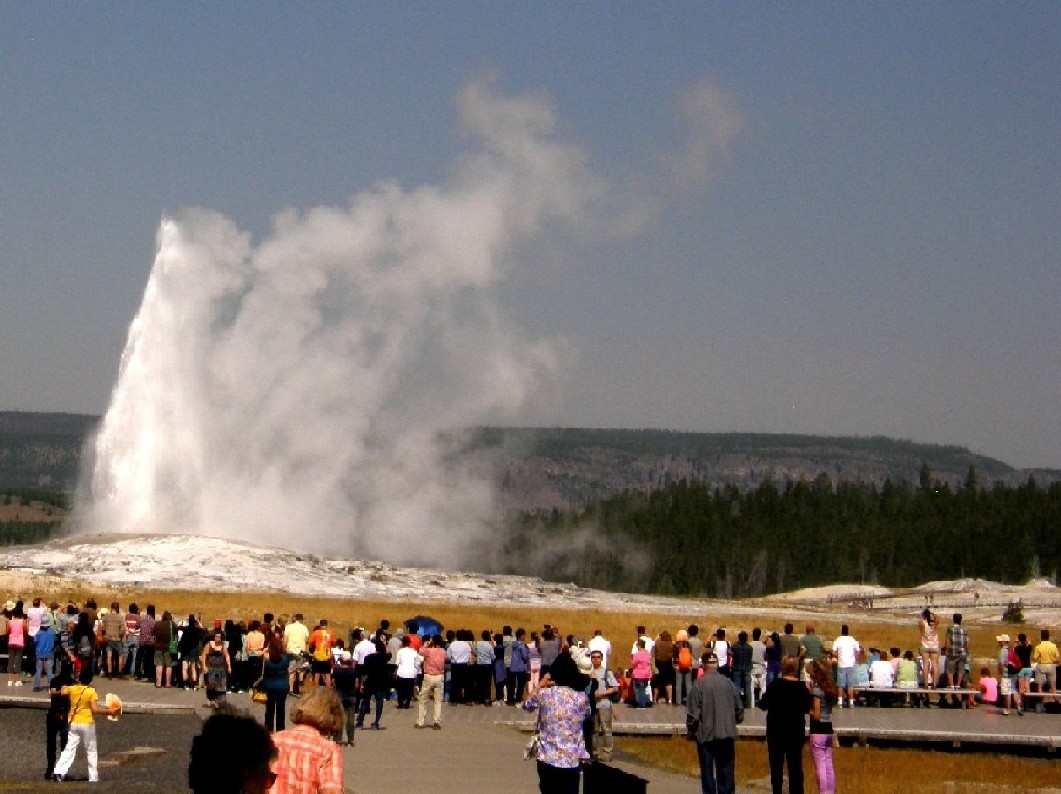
{"x": 1002, "y": 638}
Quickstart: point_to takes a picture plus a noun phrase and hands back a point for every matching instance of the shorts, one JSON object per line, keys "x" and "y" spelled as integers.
{"x": 1026, "y": 672}
{"x": 14, "y": 660}
{"x": 163, "y": 658}
{"x": 1007, "y": 685}
{"x": 845, "y": 677}
{"x": 320, "y": 667}
{"x": 115, "y": 646}
{"x": 955, "y": 666}
{"x": 929, "y": 651}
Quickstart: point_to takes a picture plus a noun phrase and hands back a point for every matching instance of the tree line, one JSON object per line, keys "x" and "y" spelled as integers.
{"x": 694, "y": 539}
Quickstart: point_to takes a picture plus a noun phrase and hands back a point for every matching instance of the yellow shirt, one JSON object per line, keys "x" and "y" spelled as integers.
{"x": 81, "y": 699}
{"x": 296, "y": 635}
{"x": 1045, "y": 653}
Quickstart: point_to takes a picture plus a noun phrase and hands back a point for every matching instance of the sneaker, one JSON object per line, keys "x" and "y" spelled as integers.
{"x": 58, "y": 778}
{"x": 437, "y": 726}
{"x": 417, "y": 725}
{"x": 18, "y": 683}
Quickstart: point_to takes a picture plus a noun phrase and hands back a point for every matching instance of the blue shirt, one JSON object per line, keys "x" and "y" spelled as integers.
{"x": 45, "y": 642}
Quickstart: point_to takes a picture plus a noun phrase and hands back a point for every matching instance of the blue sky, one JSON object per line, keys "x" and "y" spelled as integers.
{"x": 871, "y": 248}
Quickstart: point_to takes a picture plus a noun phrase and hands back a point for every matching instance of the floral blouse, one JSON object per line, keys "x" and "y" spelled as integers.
{"x": 561, "y": 712}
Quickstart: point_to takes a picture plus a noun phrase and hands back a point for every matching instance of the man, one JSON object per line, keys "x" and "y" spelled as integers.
{"x": 296, "y": 639}
{"x": 599, "y": 643}
{"x": 790, "y": 644}
{"x": 36, "y": 616}
{"x": 957, "y": 651}
{"x": 434, "y": 656}
{"x": 812, "y": 648}
{"x": 758, "y": 664}
{"x": 114, "y": 632}
{"x": 1045, "y": 659}
{"x": 145, "y": 651}
{"x": 847, "y": 650}
{"x": 321, "y": 644}
{"x": 713, "y": 712}
{"x": 131, "y": 644}
{"x": 1007, "y": 677}
{"x": 740, "y": 662}
{"x": 607, "y": 689}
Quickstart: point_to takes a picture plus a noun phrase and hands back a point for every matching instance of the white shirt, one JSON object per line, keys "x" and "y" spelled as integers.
{"x": 408, "y": 661}
{"x": 362, "y": 650}
{"x": 846, "y": 649}
{"x": 598, "y": 643}
{"x": 650, "y": 644}
{"x": 881, "y": 673}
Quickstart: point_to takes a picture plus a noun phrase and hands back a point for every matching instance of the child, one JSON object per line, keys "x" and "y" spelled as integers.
{"x": 988, "y": 688}
{"x": 56, "y": 722}
{"x": 84, "y": 704}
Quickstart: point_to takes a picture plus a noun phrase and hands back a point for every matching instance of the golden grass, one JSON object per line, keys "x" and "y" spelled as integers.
{"x": 868, "y": 770}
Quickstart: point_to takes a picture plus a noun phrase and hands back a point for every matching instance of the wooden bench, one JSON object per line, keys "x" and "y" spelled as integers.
{"x": 921, "y": 695}
{"x": 1039, "y": 698}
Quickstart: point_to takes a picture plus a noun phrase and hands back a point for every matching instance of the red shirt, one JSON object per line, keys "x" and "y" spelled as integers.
{"x": 434, "y": 660}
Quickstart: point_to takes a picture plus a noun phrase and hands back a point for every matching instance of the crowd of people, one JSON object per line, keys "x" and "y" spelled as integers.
{"x": 570, "y": 682}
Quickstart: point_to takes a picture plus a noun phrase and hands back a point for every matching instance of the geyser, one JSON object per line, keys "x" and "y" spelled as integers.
{"x": 291, "y": 391}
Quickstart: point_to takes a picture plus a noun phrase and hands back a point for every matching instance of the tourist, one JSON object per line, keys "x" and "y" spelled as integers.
{"x": 483, "y": 674}
{"x": 233, "y": 754}
{"x": 1045, "y": 659}
{"x": 957, "y": 651}
{"x": 641, "y": 671}
{"x": 434, "y": 666}
{"x": 57, "y": 719}
{"x": 44, "y": 651}
{"x": 308, "y": 760}
{"x": 713, "y": 712}
{"x": 786, "y": 703}
{"x": 988, "y": 687}
{"x": 217, "y": 668}
{"x": 823, "y": 696}
{"x": 145, "y": 651}
{"x": 562, "y": 707}
{"x": 189, "y": 649}
{"x": 740, "y": 663}
{"x": 929, "y": 648}
{"x": 519, "y": 667}
{"x": 604, "y": 694}
{"x": 82, "y": 726}
{"x": 274, "y": 682}
{"x": 345, "y": 682}
{"x": 758, "y": 665}
{"x": 164, "y": 634}
{"x": 663, "y": 656}
{"x": 16, "y": 643}
{"x": 847, "y": 652}
{"x": 408, "y": 668}
{"x": 375, "y": 684}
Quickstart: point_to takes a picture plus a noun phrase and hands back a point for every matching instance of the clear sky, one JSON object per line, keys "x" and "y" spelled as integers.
{"x": 835, "y": 218}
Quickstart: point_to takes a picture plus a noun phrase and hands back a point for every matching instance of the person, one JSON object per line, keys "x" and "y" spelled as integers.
{"x": 641, "y": 667}
{"x": 758, "y": 664}
{"x": 740, "y": 663}
{"x": 145, "y": 651}
{"x": 772, "y": 657}
{"x": 308, "y": 760}
{"x": 434, "y": 666}
{"x": 131, "y": 643}
{"x": 82, "y": 726}
{"x": 683, "y": 666}
{"x": 296, "y": 640}
{"x": 600, "y": 643}
{"x": 847, "y": 651}
{"x": 44, "y": 650}
{"x": 881, "y": 672}
{"x": 345, "y": 681}
{"x": 57, "y": 720}
{"x": 713, "y": 712}
{"x": 321, "y": 642}
{"x": 811, "y": 643}
{"x": 957, "y": 651}
{"x": 408, "y": 668}
{"x": 255, "y": 648}
{"x": 189, "y": 648}
{"x": 233, "y": 754}
{"x": 786, "y": 703}
{"x": 274, "y": 682}
{"x": 929, "y": 647}
{"x": 217, "y": 668}
{"x": 518, "y": 668}
{"x": 113, "y": 626}
{"x": 483, "y": 676}
{"x": 16, "y": 643}
{"x": 1023, "y": 649}
{"x": 549, "y": 648}
{"x": 606, "y": 691}
{"x": 823, "y": 695}
{"x": 1008, "y": 669}
{"x": 988, "y": 687}
{"x": 376, "y": 684}
{"x": 562, "y": 706}
{"x": 84, "y": 643}
{"x": 163, "y": 634}
{"x": 1045, "y": 659}
{"x": 663, "y": 655}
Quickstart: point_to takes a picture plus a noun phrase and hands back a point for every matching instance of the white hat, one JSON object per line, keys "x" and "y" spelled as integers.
{"x": 345, "y": 656}
{"x": 585, "y": 664}
{"x": 1002, "y": 638}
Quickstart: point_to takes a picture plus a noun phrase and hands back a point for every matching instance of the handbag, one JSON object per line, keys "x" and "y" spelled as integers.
{"x": 530, "y": 752}
{"x": 258, "y": 695}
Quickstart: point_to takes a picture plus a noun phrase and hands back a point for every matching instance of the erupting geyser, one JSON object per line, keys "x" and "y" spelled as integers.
{"x": 290, "y": 392}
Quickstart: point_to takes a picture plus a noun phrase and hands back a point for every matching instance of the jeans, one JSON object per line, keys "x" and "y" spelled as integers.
{"x": 717, "y": 760}
{"x": 821, "y": 751}
{"x": 350, "y": 712}
{"x": 742, "y": 682}
{"x": 275, "y": 703}
{"x": 640, "y": 692}
{"x": 683, "y": 686}
{"x": 80, "y": 733}
{"x": 362, "y": 710}
{"x": 44, "y": 665}
{"x": 557, "y": 780}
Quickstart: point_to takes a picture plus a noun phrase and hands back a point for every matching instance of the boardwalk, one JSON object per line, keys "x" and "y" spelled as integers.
{"x": 488, "y": 740}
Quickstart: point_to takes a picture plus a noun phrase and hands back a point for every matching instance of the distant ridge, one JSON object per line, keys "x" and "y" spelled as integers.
{"x": 545, "y": 468}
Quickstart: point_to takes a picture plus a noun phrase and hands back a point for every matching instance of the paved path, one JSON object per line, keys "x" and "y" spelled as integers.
{"x": 487, "y": 742}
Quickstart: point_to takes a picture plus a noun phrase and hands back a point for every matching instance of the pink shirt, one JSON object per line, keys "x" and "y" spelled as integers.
{"x": 16, "y": 633}
{"x": 641, "y": 665}
{"x": 989, "y": 689}
{"x": 434, "y": 660}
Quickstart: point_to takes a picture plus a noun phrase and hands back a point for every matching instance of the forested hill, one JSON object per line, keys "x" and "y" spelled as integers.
{"x": 562, "y": 468}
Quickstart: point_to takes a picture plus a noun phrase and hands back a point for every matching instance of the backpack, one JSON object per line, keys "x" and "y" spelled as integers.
{"x": 1013, "y": 665}
{"x": 685, "y": 658}
{"x": 84, "y": 646}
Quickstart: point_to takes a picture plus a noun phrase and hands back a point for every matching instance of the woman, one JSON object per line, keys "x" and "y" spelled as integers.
{"x": 84, "y": 704}
{"x": 275, "y": 683}
{"x": 484, "y": 668}
{"x": 929, "y": 648}
{"x": 786, "y": 703}
{"x": 234, "y": 754}
{"x": 16, "y": 643}
{"x": 190, "y": 648}
{"x": 549, "y": 650}
{"x": 216, "y": 669}
{"x": 664, "y": 653}
{"x": 235, "y": 642}
{"x": 163, "y": 656}
{"x": 824, "y": 695}
{"x": 534, "y": 663}
{"x": 683, "y": 665}
{"x": 309, "y": 761}
{"x": 1023, "y": 649}
{"x": 562, "y": 706}
{"x": 408, "y": 668}
{"x": 641, "y": 671}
